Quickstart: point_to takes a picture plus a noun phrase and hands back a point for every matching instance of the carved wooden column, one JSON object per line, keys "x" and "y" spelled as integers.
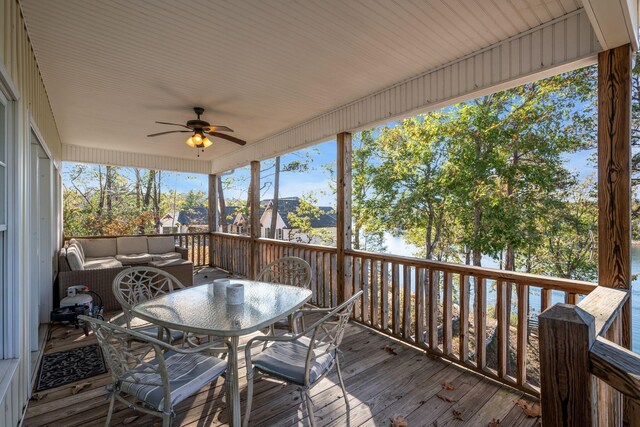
{"x": 343, "y": 215}
{"x": 254, "y": 217}
{"x": 212, "y": 197}
{"x": 614, "y": 174}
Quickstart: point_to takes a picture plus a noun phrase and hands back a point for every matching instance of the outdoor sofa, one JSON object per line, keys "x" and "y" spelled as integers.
{"x": 95, "y": 262}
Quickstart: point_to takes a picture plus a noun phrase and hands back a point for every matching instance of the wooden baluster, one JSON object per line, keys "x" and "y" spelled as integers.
{"x": 314, "y": 277}
{"x": 523, "y": 329}
{"x": 447, "y": 307}
{"x": 406, "y": 305}
{"x": 501, "y": 314}
{"x": 433, "y": 309}
{"x": 385, "y": 296}
{"x": 463, "y": 350}
{"x": 419, "y": 305}
{"x": 481, "y": 323}
{"x": 545, "y": 298}
{"x": 572, "y": 298}
{"x": 395, "y": 295}
{"x": 334, "y": 281}
{"x": 320, "y": 264}
{"x": 327, "y": 280}
{"x": 364, "y": 275}
{"x": 357, "y": 286}
{"x": 375, "y": 293}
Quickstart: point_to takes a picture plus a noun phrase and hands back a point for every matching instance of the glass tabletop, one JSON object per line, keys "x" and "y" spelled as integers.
{"x": 197, "y": 310}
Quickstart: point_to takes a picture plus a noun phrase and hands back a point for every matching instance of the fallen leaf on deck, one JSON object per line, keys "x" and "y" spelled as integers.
{"x": 448, "y": 386}
{"x": 446, "y": 398}
{"x": 457, "y": 415}
{"x": 130, "y": 419}
{"x": 494, "y": 423}
{"x": 530, "y": 409}
{"x": 390, "y": 350}
{"x": 79, "y": 387}
{"x": 399, "y": 421}
{"x": 37, "y": 396}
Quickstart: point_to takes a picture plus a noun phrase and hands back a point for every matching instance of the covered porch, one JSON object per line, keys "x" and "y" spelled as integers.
{"x": 297, "y": 75}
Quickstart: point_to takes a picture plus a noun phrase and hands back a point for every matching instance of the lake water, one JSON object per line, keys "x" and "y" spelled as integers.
{"x": 395, "y": 245}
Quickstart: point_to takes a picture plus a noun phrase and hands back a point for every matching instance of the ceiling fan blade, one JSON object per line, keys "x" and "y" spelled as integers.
{"x": 227, "y": 137}
{"x": 171, "y": 131}
{"x": 174, "y": 124}
{"x": 219, "y": 128}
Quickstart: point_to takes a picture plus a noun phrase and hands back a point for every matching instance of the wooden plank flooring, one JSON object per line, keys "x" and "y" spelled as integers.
{"x": 380, "y": 385}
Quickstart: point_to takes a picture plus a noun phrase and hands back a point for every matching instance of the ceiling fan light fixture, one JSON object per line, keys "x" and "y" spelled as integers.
{"x": 206, "y": 142}
{"x": 190, "y": 142}
{"x": 197, "y": 138}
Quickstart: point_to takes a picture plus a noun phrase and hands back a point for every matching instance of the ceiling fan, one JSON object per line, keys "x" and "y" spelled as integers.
{"x": 200, "y": 130}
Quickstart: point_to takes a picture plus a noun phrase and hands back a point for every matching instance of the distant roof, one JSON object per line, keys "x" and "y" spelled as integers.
{"x": 198, "y": 215}
{"x": 326, "y": 219}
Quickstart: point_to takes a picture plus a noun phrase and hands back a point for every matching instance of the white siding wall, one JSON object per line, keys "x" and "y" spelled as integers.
{"x": 18, "y": 66}
{"x": 559, "y": 45}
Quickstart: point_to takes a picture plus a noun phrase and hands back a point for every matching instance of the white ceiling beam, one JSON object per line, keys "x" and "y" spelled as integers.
{"x": 615, "y": 22}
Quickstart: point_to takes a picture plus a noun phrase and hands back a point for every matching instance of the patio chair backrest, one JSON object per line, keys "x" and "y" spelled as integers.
{"x": 143, "y": 364}
{"x": 138, "y": 284}
{"x": 290, "y": 270}
{"x": 328, "y": 332}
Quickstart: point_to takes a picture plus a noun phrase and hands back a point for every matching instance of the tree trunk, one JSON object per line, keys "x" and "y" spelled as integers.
{"x": 276, "y": 195}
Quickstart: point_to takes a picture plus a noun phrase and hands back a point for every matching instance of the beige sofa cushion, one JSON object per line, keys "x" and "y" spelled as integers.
{"x": 74, "y": 258}
{"x": 132, "y": 259}
{"x": 79, "y": 245}
{"x": 98, "y": 263}
{"x": 166, "y": 256}
{"x": 132, "y": 245}
{"x": 161, "y": 245}
{"x": 98, "y": 248}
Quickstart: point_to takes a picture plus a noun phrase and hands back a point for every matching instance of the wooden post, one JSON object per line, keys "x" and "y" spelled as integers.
{"x": 614, "y": 175}
{"x": 254, "y": 217}
{"x": 343, "y": 214}
{"x": 212, "y": 197}
{"x": 568, "y": 391}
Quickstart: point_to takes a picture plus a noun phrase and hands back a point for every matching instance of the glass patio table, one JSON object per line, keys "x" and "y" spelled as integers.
{"x": 197, "y": 310}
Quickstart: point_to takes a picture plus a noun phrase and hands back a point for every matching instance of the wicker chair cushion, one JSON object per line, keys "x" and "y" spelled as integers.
{"x": 187, "y": 373}
{"x": 98, "y": 263}
{"x": 161, "y": 245}
{"x": 79, "y": 246}
{"x": 131, "y": 259}
{"x": 74, "y": 258}
{"x": 152, "y": 331}
{"x": 132, "y": 245}
{"x": 287, "y": 359}
{"x": 166, "y": 256}
{"x": 98, "y": 248}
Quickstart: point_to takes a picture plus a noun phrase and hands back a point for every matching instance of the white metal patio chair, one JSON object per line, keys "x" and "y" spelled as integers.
{"x": 292, "y": 271}
{"x": 300, "y": 359}
{"x": 154, "y": 373}
{"x": 137, "y": 284}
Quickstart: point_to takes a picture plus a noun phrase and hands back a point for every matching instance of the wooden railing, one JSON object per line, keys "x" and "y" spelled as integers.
{"x": 462, "y": 313}
{"x": 197, "y": 244}
{"x": 587, "y": 377}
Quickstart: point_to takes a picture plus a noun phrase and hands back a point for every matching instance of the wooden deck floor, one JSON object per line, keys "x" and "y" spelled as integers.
{"x": 380, "y": 385}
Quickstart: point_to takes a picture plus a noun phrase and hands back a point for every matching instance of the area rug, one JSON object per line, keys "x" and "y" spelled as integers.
{"x": 64, "y": 367}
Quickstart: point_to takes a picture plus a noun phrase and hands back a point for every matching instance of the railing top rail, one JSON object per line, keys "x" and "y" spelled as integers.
{"x": 197, "y": 233}
{"x": 604, "y": 304}
{"x": 267, "y": 240}
{"x": 231, "y": 235}
{"x": 616, "y": 365}
{"x": 567, "y": 285}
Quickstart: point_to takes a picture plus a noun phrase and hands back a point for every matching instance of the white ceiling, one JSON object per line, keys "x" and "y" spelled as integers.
{"x": 112, "y": 68}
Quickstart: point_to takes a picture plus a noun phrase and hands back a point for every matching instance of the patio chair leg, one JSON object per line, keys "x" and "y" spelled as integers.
{"x": 309, "y": 405}
{"x": 344, "y": 392}
{"x": 166, "y": 420}
{"x": 247, "y": 414}
{"x": 112, "y": 402}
